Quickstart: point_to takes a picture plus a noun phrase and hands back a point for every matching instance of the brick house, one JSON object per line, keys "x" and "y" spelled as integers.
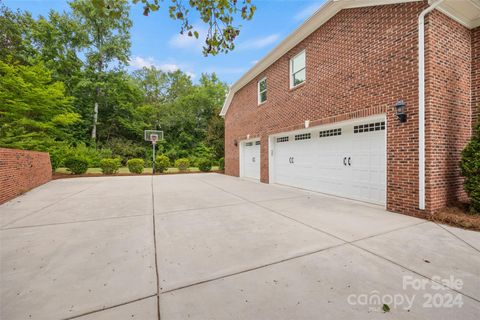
{"x": 367, "y": 100}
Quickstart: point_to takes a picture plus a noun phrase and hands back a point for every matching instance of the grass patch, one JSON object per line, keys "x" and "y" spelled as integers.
{"x": 124, "y": 170}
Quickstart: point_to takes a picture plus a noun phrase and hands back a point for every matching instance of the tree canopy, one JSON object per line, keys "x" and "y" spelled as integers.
{"x": 64, "y": 83}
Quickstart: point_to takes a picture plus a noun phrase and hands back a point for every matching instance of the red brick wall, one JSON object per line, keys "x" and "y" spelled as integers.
{"x": 22, "y": 170}
{"x": 362, "y": 59}
{"x": 358, "y": 63}
{"x": 448, "y": 116}
{"x": 476, "y": 74}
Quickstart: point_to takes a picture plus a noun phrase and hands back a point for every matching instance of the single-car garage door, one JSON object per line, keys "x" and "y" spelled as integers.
{"x": 250, "y": 159}
{"x": 344, "y": 160}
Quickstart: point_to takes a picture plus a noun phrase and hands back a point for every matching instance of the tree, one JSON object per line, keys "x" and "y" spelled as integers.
{"x": 122, "y": 117}
{"x": 219, "y": 15}
{"x": 57, "y": 41}
{"x": 162, "y": 87}
{"x": 35, "y": 112}
{"x": 108, "y": 42}
{"x": 14, "y": 26}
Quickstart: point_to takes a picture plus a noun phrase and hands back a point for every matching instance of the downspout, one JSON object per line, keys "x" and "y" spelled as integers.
{"x": 421, "y": 103}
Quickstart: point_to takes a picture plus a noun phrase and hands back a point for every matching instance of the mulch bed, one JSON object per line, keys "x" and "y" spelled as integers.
{"x": 458, "y": 216}
{"x": 58, "y": 175}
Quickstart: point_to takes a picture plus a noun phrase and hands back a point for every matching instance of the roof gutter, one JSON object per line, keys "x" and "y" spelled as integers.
{"x": 421, "y": 103}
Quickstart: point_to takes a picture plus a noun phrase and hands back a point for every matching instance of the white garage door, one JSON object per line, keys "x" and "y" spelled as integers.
{"x": 250, "y": 161}
{"x": 343, "y": 160}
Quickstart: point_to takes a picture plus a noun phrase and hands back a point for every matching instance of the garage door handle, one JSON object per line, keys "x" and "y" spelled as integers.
{"x": 349, "y": 161}
{"x": 345, "y": 161}
{"x": 253, "y": 159}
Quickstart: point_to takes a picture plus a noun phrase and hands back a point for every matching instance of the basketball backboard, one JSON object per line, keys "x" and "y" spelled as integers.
{"x": 153, "y": 135}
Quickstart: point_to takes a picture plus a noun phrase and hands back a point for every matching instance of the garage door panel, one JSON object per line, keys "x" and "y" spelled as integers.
{"x": 347, "y": 161}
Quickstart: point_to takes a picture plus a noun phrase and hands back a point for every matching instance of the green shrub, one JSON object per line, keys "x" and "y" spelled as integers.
{"x": 470, "y": 165}
{"x": 136, "y": 165}
{"x": 76, "y": 165}
{"x": 221, "y": 163}
{"x": 110, "y": 166}
{"x": 162, "y": 163}
{"x": 205, "y": 165}
{"x": 126, "y": 149}
{"x": 91, "y": 154}
{"x": 57, "y": 155}
{"x": 182, "y": 164}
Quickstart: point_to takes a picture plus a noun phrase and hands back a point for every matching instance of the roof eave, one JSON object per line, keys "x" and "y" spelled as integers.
{"x": 322, "y": 15}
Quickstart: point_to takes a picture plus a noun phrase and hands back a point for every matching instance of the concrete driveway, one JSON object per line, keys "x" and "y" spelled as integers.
{"x": 209, "y": 246}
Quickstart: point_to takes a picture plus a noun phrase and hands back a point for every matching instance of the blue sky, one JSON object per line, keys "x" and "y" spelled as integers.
{"x": 155, "y": 39}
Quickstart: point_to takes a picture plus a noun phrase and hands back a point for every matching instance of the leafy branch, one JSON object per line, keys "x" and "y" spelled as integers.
{"x": 219, "y": 15}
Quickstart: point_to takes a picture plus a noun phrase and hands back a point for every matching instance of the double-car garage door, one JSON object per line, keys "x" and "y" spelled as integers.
{"x": 347, "y": 160}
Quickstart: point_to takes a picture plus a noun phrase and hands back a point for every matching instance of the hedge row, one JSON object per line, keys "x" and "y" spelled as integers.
{"x": 79, "y": 165}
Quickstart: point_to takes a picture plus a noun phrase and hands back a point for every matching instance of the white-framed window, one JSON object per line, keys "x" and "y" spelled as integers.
{"x": 262, "y": 91}
{"x": 297, "y": 69}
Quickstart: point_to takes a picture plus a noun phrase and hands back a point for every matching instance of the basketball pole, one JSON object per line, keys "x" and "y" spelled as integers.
{"x": 153, "y": 163}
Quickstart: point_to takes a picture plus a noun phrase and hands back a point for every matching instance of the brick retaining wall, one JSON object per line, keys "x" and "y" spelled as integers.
{"x": 22, "y": 170}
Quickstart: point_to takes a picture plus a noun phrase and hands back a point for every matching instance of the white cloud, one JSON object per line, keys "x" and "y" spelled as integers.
{"x": 140, "y": 62}
{"x": 254, "y": 62}
{"x": 191, "y": 75}
{"x": 307, "y": 11}
{"x": 183, "y": 41}
{"x": 258, "y": 43}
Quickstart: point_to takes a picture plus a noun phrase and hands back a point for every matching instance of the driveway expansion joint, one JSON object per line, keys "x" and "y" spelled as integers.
{"x": 51, "y": 204}
{"x": 111, "y": 307}
{"x": 73, "y": 222}
{"x": 453, "y": 234}
{"x": 155, "y": 248}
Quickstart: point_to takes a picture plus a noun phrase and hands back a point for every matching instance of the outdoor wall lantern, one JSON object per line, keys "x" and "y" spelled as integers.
{"x": 400, "y": 111}
{"x": 235, "y": 142}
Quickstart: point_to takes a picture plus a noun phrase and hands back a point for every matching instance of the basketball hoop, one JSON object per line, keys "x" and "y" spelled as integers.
{"x": 154, "y": 138}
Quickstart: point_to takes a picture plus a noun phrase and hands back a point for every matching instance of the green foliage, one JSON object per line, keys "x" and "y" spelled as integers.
{"x": 182, "y": 164}
{"x": 125, "y": 149}
{"x": 58, "y": 154}
{"x": 470, "y": 165}
{"x": 13, "y": 28}
{"x": 162, "y": 163}
{"x": 107, "y": 42}
{"x": 219, "y": 15}
{"x": 91, "y": 154}
{"x": 205, "y": 165}
{"x": 201, "y": 152}
{"x": 136, "y": 165}
{"x": 48, "y": 93}
{"x": 35, "y": 113}
{"x": 221, "y": 164}
{"x": 76, "y": 165}
{"x": 110, "y": 166}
